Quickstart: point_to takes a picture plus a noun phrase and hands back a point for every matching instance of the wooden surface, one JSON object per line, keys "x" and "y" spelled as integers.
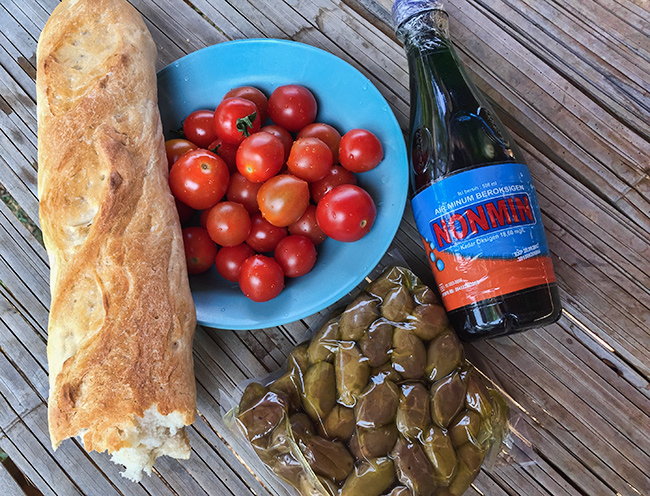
{"x": 571, "y": 78}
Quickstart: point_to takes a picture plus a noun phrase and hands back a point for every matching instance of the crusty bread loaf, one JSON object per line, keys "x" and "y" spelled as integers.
{"x": 121, "y": 318}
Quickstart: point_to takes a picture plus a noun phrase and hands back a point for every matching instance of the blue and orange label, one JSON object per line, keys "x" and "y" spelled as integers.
{"x": 483, "y": 233}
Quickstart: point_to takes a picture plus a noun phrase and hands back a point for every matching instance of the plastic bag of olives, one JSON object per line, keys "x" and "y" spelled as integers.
{"x": 380, "y": 401}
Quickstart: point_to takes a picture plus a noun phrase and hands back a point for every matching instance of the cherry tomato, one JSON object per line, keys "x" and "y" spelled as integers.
{"x": 228, "y": 223}
{"x": 253, "y": 94}
{"x": 360, "y": 150}
{"x": 335, "y": 176}
{"x": 199, "y": 179}
{"x": 198, "y": 128}
{"x": 310, "y": 159}
{"x": 264, "y": 236}
{"x": 174, "y": 148}
{"x": 307, "y": 226}
{"x": 292, "y": 107}
{"x": 283, "y": 134}
{"x": 243, "y": 191}
{"x": 260, "y": 157}
{"x": 230, "y": 259}
{"x": 200, "y": 250}
{"x": 184, "y": 212}
{"x": 227, "y": 151}
{"x": 235, "y": 119}
{"x": 261, "y": 278}
{"x": 283, "y": 199}
{"x": 296, "y": 255}
{"x": 326, "y": 133}
{"x": 346, "y": 213}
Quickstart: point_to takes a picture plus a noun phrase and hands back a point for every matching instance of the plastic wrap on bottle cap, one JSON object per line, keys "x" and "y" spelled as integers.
{"x": 379, "y": 400}
{"x": 403, "y": 9}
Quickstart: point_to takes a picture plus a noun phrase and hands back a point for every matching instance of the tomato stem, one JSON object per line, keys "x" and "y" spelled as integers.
{"x": 246, "y": 123}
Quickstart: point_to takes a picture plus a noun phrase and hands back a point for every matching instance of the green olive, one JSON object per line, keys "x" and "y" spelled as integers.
{"x": 392, "y": 278}
{"x": 324, "y": 344}
{"x": 358, "y": 316}
{"x": 352, "y": 372}
{"x": 409, "y": 356}
{"x": 445, "y": 353}
{"x": 478, "y": 397}
{"x": 377, "y": 404}
{"x": 288, "y": 468}
{"x": 289, "y": 385}
{"x": 377, "y": 442}
{"x": 447, "y": 399}
{"x": 397, "y": 304}
{"x": 262, "y": 415}
{"x": 413, "y": 468}
{"x": 385, "y": 372}
{"x": 370, "y": 478}
{"x": 316, "y": 486}
{"x": 298, "y": 360}
{"x": 319, "y": 390}
{"x": 413, "y": 416}
{"x": 424, "y": 295}
{"x": 327, "y": 458}
{"x": 377, "y": 342}
{"x": 339, "y": 423}
{"x": 428, "y": 321}
{"x": 465, "y": 428}
{"x": 441, "y": 454}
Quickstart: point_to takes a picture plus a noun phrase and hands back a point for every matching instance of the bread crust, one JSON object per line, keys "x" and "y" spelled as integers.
{"x": 122, "y": 317}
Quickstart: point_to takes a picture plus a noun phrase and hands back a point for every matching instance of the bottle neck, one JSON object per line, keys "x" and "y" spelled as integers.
{"x": 453, "y": 128}
{"x": 425, "y": 31}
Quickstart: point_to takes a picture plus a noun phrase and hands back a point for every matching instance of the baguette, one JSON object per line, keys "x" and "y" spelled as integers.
{"x": 121, "y": 318}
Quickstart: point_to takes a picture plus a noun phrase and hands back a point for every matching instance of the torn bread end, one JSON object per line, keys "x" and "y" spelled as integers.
{"x": 152, "y": 436}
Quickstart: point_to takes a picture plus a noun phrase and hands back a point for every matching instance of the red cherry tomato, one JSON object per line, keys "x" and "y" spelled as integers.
{"x": 292, "y": 107}
{"x": 310, "y": 159}
{"x": 253, "y": 94}
{"x": 260, "y": 157}
{"x": 228, "y": 223}
{"x": 200, "y": 250}
{"x": 326, "y": 133}
{"x": 199, "y": 179}
{"x": 227, "y": 151}
{"x": 235, "y": 119}
{"x": 346, "y": 213}
{"x": 283, "y": 199}
{"x": 264, "y": 236}
{"x": 184, "y": 212}
{"x": 230, "y": 259}
{"x": 335, "y": 176}
{"x": 296, "y": 255}
{"x": 243, "y": 191}
{"x": 307, "y": 226}
{"x": 174, "y": 148}
{"x": 198, "y": 128}
{"x": 360, "y": 150}
{"x": 261, "y": 278}
{"x": 283, "y": 134}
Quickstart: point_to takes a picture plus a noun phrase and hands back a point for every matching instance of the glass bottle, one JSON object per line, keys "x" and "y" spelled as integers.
{"x": 473, "y": 200}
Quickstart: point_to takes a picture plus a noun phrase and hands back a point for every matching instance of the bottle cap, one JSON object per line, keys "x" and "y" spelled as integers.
{"x": 403, "y": 9}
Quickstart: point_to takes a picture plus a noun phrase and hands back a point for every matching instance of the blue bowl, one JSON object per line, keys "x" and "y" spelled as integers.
{"x": 346, "y": 100}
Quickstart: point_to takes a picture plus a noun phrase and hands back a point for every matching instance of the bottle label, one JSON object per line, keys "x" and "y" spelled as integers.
{"x": 482, "y": 231}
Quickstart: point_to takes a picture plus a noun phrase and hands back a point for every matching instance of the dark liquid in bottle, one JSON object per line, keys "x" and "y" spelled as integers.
{"x": 454, "y": 130}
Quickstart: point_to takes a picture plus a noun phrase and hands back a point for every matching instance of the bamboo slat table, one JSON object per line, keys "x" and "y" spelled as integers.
{"x": 571, "y": 79}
